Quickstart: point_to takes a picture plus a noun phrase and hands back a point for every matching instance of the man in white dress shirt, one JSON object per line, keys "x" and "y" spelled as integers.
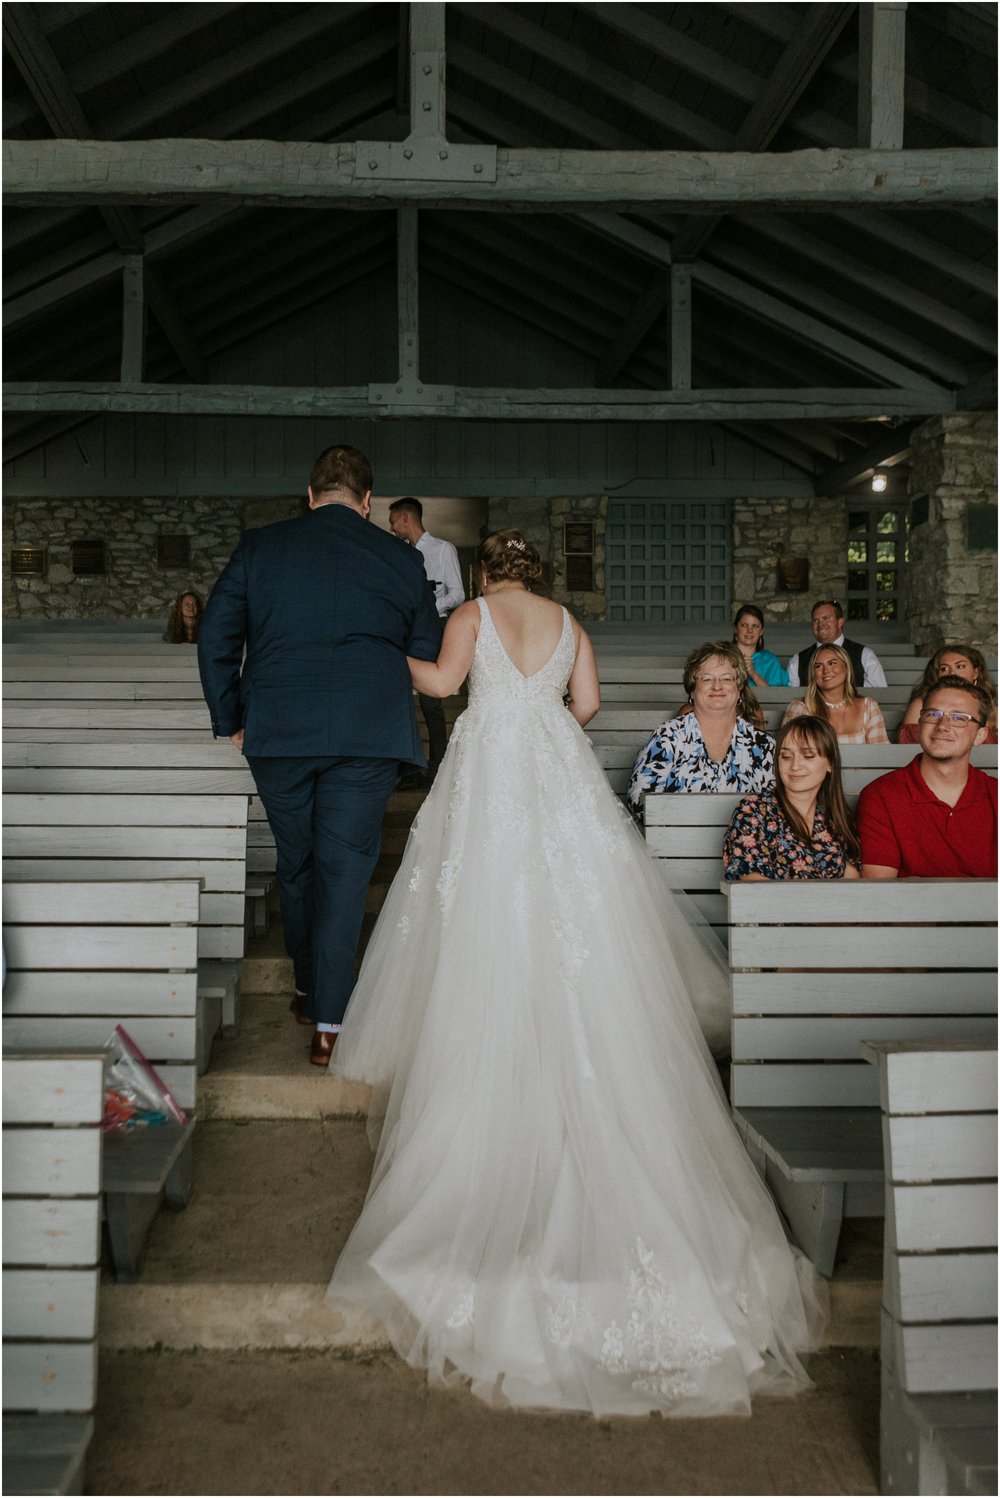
{"x": 406, "y": 520}
{"x": 828, "y": 629}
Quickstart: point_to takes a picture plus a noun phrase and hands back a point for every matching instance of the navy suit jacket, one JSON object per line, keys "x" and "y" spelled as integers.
{"x": 328, "y": 607}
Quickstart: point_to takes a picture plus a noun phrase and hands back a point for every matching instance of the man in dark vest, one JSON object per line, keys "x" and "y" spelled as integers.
{"x": 327, "y": 607}
{"x": 828, "y": 629}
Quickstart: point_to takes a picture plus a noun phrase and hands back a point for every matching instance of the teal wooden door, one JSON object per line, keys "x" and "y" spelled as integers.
{"x": 668, "y": 561}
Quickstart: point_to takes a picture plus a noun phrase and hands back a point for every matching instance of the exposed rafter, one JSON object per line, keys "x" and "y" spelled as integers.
{"x": 888, "y": 449}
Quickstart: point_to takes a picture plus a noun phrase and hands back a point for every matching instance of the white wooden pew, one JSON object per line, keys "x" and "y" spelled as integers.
{"x": 939, "y": 1295}
{"x": 817, "y": 968}
{"x": 85, "y": 837}
{"x": 52, "y": 1107}
{"x": 83, "y": 958}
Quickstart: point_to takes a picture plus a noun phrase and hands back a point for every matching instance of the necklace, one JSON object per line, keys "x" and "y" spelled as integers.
{"x": 830, "y": 704}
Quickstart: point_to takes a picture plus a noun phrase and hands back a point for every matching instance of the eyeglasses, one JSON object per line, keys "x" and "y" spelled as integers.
{"x": 935, "y": 714}
{"x": 724, "y": 681}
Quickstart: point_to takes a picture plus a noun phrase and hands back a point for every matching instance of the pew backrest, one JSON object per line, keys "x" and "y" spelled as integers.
{"x": 83, "y": 957}
{"x": 52, "y": 1107}
{"x": 818, "y": 967}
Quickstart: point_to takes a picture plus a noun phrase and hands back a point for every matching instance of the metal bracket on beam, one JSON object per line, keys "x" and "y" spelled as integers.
{"x": 423, "y": 158}
{"x": 411, "y": 393}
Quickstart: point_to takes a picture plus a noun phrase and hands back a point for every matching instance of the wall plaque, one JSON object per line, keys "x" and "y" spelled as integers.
{"x": 578, "y": 538}
{"x": 28, "y": 561}
{"x": 88, "y": 558}
{"x": 793, "y": 574}
{"x": 173, "y": 551}
{"x": 579, "y": 574}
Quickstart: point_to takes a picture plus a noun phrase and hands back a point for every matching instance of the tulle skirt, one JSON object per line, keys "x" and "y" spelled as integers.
{"x": 561, "y": 1212}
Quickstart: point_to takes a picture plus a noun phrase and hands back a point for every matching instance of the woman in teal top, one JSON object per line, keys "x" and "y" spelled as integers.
{"x": 748, "y": 632}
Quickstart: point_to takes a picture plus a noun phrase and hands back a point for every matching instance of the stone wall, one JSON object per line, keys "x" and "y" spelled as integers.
{"x": 541, "y": 523}
{"x": 133, "y": 587}
{"x": 765, "y": 531}
{"x": 952, "y": 589}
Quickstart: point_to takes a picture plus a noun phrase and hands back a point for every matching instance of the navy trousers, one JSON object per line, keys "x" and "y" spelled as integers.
{"x": 326, "y": 816}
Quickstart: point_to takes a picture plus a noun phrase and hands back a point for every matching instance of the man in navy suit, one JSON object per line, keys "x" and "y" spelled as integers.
{"x": 327, "y": 607}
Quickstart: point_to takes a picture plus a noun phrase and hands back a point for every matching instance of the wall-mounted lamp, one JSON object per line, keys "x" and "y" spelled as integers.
{"x": 880, "y": 482}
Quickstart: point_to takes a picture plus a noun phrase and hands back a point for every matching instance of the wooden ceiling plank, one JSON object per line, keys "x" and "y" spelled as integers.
{"x": 304, "y": 26}
{"x": 671, "y": 45}
{"x": 476, "y": 404}
{"x": 172, "y": 24}
{"x": 527, "y": 95}
{"x": 775, "y": 443}
{"x": 944, "y": 258}
{"x": 18, "y": 443}
{"x": 969, "y": 330}
{"x": 262, "y": 104}
{"x": 295, "y": 173}
{"x": 584, "y": 68}
{"x": 798, "y": 324}
{"x": 843, "y": 314}
{"x": 881, "y": 74}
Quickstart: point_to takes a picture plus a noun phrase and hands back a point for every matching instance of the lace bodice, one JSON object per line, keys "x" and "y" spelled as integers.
{"x": 494, "y": 680}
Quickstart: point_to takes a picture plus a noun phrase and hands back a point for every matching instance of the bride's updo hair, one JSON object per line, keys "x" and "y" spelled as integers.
{"x": 506, "y": 555}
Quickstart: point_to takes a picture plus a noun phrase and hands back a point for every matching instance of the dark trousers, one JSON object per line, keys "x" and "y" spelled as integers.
{"x": 437, "y": 734}
{"x": 326, "y": 816}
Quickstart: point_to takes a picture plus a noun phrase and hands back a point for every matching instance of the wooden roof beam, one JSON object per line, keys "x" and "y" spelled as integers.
{"x": 301, "y": 174}
{"x": 486, "y": 404}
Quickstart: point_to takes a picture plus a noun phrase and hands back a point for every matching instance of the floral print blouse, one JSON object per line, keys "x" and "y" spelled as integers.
{"x": 760, "y": 841}
{"x": 675, "y": 759}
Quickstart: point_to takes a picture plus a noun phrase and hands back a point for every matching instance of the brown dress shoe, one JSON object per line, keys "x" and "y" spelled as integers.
{"x": 297, "y": 1007}
{"x": 322, "y": 1048}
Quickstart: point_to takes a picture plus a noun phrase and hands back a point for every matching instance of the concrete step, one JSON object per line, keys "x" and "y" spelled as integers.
{"x": 265, "y": 1072}
{"x": 246, "y": 1265}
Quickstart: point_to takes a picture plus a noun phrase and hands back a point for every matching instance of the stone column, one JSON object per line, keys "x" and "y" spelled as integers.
{"x": 951, "y": 583}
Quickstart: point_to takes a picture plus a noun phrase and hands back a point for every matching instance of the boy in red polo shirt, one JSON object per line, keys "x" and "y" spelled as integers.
{"x": 937, "y": 817}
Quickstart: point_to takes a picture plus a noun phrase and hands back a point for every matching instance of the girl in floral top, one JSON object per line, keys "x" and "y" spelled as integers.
{"x": 712, "y": 747}
{"x": 803, "y": 828}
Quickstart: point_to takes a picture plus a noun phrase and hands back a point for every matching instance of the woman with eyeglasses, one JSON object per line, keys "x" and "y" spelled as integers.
{"x": 712, "y": 746}
{"x": 964, "y": 661}
{"x": 832, "y": 696}
{"x": 802, "y": 829}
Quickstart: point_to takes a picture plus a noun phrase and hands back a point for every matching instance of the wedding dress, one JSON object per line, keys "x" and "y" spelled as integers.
{"x": 561, "y": 1212}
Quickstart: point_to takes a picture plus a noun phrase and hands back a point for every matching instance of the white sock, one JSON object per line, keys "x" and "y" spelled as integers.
{"x": 328, "y": 1029}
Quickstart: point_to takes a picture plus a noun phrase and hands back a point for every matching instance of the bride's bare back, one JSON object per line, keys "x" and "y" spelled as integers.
{"x": 529, "y": 627}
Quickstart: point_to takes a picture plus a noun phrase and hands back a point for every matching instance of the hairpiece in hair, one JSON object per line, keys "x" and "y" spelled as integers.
{"x": 515, "y": 545}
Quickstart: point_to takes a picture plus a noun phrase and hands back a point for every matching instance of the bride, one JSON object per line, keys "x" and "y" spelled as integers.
{"x": 561, "y": 1213}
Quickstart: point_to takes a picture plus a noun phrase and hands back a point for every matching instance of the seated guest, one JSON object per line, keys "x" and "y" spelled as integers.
{"x": 712, "y": 746}
{"x": 937, "y": 817}
{"x": 831, "y": 696}
{"x": 950, "y": 660}
{"x": 828, "y": 629}
{"x": 803, "y": 828}
{"x": 184, "y": 619}
{"x": 748, "y": 633}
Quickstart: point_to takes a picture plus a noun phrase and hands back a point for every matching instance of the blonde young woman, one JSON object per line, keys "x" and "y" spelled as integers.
{"x": 831, "y": 695}
{"x": 964, "y": 661}
{"x": 561, "y": 1213}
